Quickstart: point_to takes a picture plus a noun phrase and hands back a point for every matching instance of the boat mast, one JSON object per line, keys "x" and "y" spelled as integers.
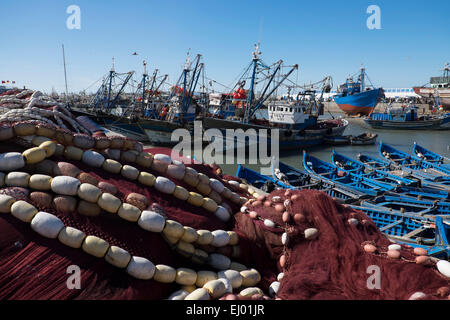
{"x": 263, "y": 99}
{"x": 446, "y": 70}
{"x": 155, "y": 73}
{"x": 363, "y": 71}
{"x": 256, "y": 53}
{"x": 193, "y": 81}
{"x": 111, "y": 74}
{"x": 144, "y": 77}
{"x": 65, "y": 73}
{"x": 187, "y": 67}
{"x": 161, "y": 83}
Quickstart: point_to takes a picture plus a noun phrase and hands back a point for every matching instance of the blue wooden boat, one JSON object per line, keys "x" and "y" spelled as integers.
{"x": 427, "y": 179}
{"x": 406, "y": 160}
{"x": 337, "y": 140}
{"x": 345, "y": 163}
{"x": 430, "y": 233}
{"x": 300, "y": 180}
{"x": 430, "y": 156}
{"x": 409, "y": 204}
{"x": 259, "y": 181}
{"x": 292, "y": 176}
{"x": 324, "y": 170}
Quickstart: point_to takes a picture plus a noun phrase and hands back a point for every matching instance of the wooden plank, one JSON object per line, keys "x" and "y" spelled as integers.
{"x": 391, "y": 225}
{"x": 414, "y": 233}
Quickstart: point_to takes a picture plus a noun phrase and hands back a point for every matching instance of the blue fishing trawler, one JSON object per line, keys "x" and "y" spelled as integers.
{"x": 407, "y": 118}
{"x": 355, "y": 98}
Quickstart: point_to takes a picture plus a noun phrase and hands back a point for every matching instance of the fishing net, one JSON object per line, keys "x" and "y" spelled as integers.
{"x": 331, "y": 266}
{"x": 334, "y": 265}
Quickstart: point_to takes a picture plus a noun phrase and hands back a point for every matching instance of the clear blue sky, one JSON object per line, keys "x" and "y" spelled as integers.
{"x": 323, "y": 37}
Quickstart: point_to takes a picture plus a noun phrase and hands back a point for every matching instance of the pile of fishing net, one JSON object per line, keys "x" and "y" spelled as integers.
{"x": 333, "y": 252}
{"x": 21, "y": 105}
{"x": 139, "y": 224}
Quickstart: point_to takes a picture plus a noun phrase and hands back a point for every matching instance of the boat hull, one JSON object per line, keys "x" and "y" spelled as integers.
{"x": 288, "y": 139}
{"x": 444, "y": 94}
{"x": 361, "y": 103}
{"x": 436, "y": 124}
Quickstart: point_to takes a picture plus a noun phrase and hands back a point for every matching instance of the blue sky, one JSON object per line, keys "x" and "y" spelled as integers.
{"x": 323, "y": 37}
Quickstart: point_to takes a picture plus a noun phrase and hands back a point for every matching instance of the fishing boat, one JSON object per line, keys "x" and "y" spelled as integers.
{"x": 362, "y": 139}
{"x": 296, "y": 118}
{"x": 406, "y": 160}
{"x": 299, "y": 179}
{"x": 366, "y": 138}
{"x": 430, "y": 156}
{"x": 406, "y": 118}
{"x": 426, "y": 179}
{"x": 429, "y": 233}
{"x": 337, "y": 140}
{"x": 147, "y": 115}
{"x": 373, "y": 187}
{"x": 350, "y": 165}
{"x": 263, "y": 182}
{"x": 439, "y": 89}
{"x": 322, "y": 170}
{"x": 403, "y": 203}
{"x": 355, "y": 98}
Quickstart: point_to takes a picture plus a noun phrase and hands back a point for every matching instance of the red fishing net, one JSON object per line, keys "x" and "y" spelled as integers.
{"x": 333, "y": 266}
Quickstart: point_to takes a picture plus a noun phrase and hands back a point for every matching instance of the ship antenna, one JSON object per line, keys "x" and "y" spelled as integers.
{"x": 145, "y": 66}
{"x": 112, "y": 68}
{"x": 256, "y": 53}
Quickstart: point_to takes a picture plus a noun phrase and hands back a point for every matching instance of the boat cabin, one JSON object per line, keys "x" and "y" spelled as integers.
{"x": 296, "y": 115}
{"x": 221, "y": 105}
{"x": 443, "y": 81}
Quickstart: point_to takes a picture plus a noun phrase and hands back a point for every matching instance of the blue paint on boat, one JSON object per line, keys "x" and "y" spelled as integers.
{"x": 412, "y": 229}
{"x": 357, "y": 167}
{"x": 258, "y": 180}
{"x": 410, "y": 204}
{"x": 324, "y": 170}
{"x": 362, "y": 102}
{"x": 404, "y": 159}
